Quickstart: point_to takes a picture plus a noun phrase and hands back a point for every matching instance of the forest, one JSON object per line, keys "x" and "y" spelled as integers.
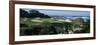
{"x": 33, "y": 22}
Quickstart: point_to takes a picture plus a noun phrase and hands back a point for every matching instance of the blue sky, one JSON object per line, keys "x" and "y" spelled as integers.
{"x": 62, "y": 12}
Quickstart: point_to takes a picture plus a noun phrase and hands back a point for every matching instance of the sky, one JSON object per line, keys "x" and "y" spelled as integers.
{"x": 62, "y": 12}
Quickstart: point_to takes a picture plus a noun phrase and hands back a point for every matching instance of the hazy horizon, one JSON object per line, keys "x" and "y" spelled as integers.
{"x": 51, "y": 12}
